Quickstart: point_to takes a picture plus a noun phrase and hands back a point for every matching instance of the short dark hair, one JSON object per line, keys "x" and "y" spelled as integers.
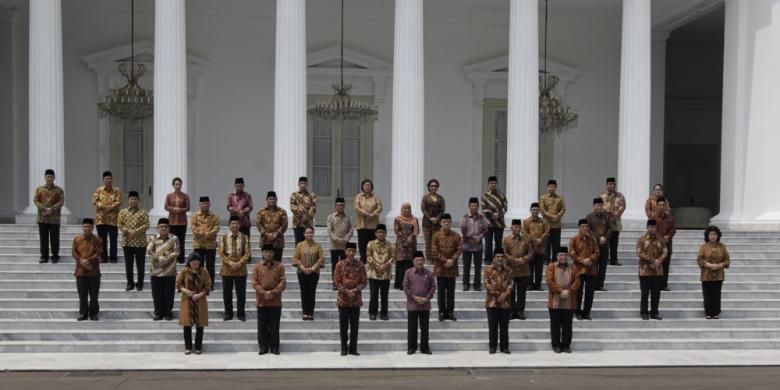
{"x": 362, "y": 183}
{"x": 175, "y": 179}
{"x": 712, "y": 228}
{"x": 660, "y": 199}
{"x": 431, "y": 182}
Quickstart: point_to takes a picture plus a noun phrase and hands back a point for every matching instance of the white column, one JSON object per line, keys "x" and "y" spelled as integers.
{"x": 634, "y": 139}
{"x": 408, "y": 181}
{"x": 46, "y": 126}
{"x": 170, "y": 99}
{"x": 522, "y": 142}
{"x": 289, "y": 99}
{"x": 658, "y": 110}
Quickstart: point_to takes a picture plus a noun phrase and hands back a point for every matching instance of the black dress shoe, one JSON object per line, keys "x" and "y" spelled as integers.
{"x": 411, "y": 352}
{"x": 104, "y": 261}
{"x": 645, "y": 317}
{"x": 275, "y": 351}
{"x": 197, "y": 352}
{"x": 515, "y": 316}
{"x": 242, "y": 317}
{"x": 180, "y": 261}
{"x": 557, "y": 349}
{"x": 93, "y": 317}
{"x": 492, "y": 351}
{"x": 425, "y": 351}
{"x": 451, "y": 317}
{"x": 617, "y": 263}
{"x": 129, "y": 287}
{"x": 343, "y": 352}
{"x": 157, "y": 318}
{"x": 442, "y": 317}
{"x": 112, "y": 260}
{"x": 383, "y": 317}
{"x": 139, "y": 287}
{"x": 43, "y": 260}
{"x": 663, "y": 289}
{"x": 656, "y": 317}
{"x": 604, "y": 289}
{"x": 466, "y": 287}
{"x": 372, "y": 317}
{"x": 521, "y": 316}
{"x": 355, "y": 353}
{"x": 587, "y": 317}
{"x": 566, "y": 349}
{"x": 227, "y": 317}
{"x": 82, "y": 317}
{"x": 263, "y": 351}
{"x": 506, "y": 351}
{"x": 477, "y": 288}
{"x": 187, "y": 351}
{"x": 55, "y": 259}
{"x": 168, "y": 317}
{"x": 578, "y": 315}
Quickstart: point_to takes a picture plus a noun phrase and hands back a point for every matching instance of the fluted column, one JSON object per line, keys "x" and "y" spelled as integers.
{"x": 408, "y": 160}
{"x": 289, "y": 98}
{"x": 635, "y": 103}
{"x": 170, "y": 99}
{"x": 522, "y": 141}
{"x": 46, "y": 127}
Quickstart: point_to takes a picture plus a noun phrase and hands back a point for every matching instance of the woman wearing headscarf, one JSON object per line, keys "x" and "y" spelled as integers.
{"x": 193, "y": 282}
{"x": 407, "y": 228}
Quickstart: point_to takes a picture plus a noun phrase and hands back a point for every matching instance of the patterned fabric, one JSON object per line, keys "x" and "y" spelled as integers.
{"x": 432, "y": 206}
{"x": 308, "y": 255}
{"x": 494, "y": 203}
{"x": 419, "y": 284}
{"x": 303, "y": 205}
{"x": 446, "y": 245}
{"x": 583, "y": 247}
{"x": 163, "y": 252}
{"x": 234, "y": 249}
{"x": 561, "y": 278}
{"x": 405, "y": 238}
{"x": 651, "y": 208}
{"x": 350, "y": 276}
{"x": 365, "y": 204}
{"x": 193, "y": 313}
{"x": 133, "y": 225}
{"x": 339, "y": 228}
{"x": 473, "y": 228}
{"x": 600, "y": 224}
{"x": 381, "y": 257}
{"x": 648, "y": 249}
{"x": 240, "y": 204}
{"x": 536, "y": 229}
{"x": 272, "y": 220}
{"x": 268, "y": 276}
{"x": 49, "y": 198}
{"x": 666, "y": 225}
{"x": 205, "y": 227}
{"x": 713, "y": 253}
{"x": 106, "y": 204}
{"x": 519, "y": 252}
{"x": 552, "y": 206}
{"x": 615, "y": 203}
{"x": 498, "y": 286}
{"x": 177, "y": 205}
{"x": 87, "y": 247}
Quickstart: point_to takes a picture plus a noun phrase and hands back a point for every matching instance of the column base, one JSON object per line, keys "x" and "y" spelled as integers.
{"x": 765, "y": 222}
{"x": 634, "y": 220}
{"x": 30, "y": 217}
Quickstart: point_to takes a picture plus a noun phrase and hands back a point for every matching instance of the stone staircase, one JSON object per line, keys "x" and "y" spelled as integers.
{"x": 38, "y": 307}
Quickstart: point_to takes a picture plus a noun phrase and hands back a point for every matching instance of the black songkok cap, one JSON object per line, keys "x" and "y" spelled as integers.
{"x": 87, "y": 221}
{"x": 473, "y": 199}
{"x": 534, "y": 204}
{"x": 340, "y": 200}
{"x": 132, "y": 194}
{"x": 517, "y": 222}
{"x": 270, "y": 194}
{"x": 598, "y": 201}
{"x": 107, "y": 174}
{"x": 204, "y": 199}
{"x": 562, "y": 249}
{"x": 234, "y": 218}
{"x": 381, "y": 226}
{"x": 239, "y": 180}
{"x": 49, "y": 172}
{"x": 418, "y": 254}
{"x": 303, "y": 179}
{"x": 582, "y": 221}
{"x": 498, "y": 251}
{"x": 267, "y": 247}
{"x": 446, "y": 216}
{"x": 660, "y": 199}
{"x": 552, "y": 182}
{"x": 163, "y": 221}
{"x": 651, "y": 222}
{"x": 492, "y": 178}
{"x": 351, "y": 245}
{"x": 610, "y": 180}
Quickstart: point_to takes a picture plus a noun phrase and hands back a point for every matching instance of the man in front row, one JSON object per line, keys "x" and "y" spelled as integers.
{"x": 163, "y": 251}
{"x": 519, "y": 252}
{"x": 563, "y": 283}
{"x": 584, "y": 250}
{"x": 445, "y": 249}
{"x": 381, "y": 258}
{"x": 419, "y": 287}
{"x": 86, "y": 251}
{"x": 651, "y": 250}
{"x": 350, "y": 279}
{"x": 499, "y": 285}
{"x": 234, "y": 251}
{"x": 269, "y": 281}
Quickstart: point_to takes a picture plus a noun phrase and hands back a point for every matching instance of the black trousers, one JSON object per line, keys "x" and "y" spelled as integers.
{"x": 268, "y": 327}
{"x": 603, "y": 261}
{"x": 198, "y": 338}
{"x": 378, "y": 288}
{"x": 586, "y": 290}
{"x": 106, "y": 233}
{"x": 614, "y": 239}
{"x": 401, "y": 266}
{"x": 88, "y": 288}
{"x": 180, "y": 231}
{"x": 518, "y": 294}
{"x": 349, "y": 321}
{"x": 308, "y": 285}
{"x": 560, "y": 327}
{"x": 651, "y": 286}
{"x": 227, "y": 294}
{"x": 467, "y": 261}
{"x": 446, "y": 295}
{"x": 163, "y": 291}
{"x": 298, "y": 233}
{"x": 553, "y": 243}
{"x": 209, "y": 257}
{"x": 711, "y": 292}
{"x": 493, "y": 236}
{"x": 421, "y": 318}
{"x": 335, "y": 256}
{"x": 537, "y": 270}
{"x": 666, "y": 264}
{"x": 364, "y": 237}
{"x": 498, "y": 325}
{"x": 49, "y": 233}
{"x": 135, "y": 255}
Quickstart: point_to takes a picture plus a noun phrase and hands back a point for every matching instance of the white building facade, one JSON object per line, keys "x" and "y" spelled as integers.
{"x": 454, "y": 81}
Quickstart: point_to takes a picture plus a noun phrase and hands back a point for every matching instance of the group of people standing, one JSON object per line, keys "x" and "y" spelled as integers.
{"x": 514, "y": 263}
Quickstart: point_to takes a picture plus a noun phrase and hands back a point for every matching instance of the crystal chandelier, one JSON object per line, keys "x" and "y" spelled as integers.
{"x": 554, "y": 115}
{"x": 130, "y": 102}
{"x": 341, "y": 107}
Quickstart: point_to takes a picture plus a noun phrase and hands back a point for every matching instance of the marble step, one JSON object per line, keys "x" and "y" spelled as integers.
{"x": 379, "y": 346}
